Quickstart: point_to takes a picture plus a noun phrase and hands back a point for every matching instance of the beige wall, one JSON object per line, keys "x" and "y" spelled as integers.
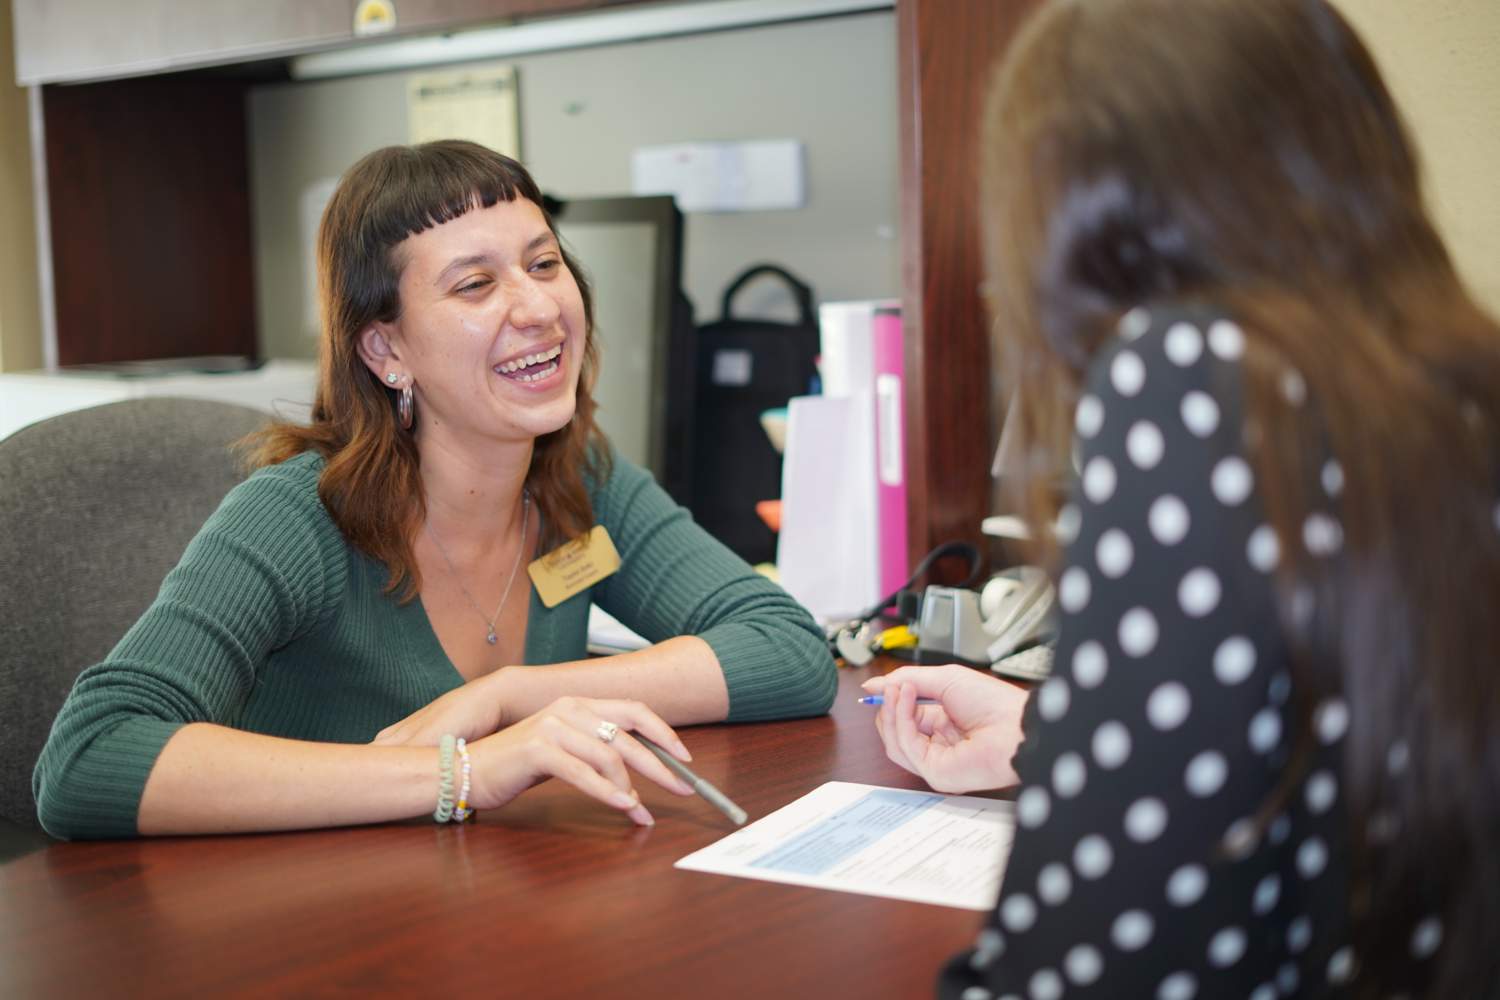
{"x": 1441, "y": 58}
{"x": 20, "y": 319}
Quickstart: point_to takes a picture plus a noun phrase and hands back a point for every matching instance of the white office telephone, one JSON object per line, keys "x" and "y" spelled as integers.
{"x": 1004, "y": 628}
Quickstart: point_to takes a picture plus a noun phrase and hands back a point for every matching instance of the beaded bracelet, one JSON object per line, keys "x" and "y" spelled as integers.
{"x": 462, "y": 811}
{"x": 445, "y": 780}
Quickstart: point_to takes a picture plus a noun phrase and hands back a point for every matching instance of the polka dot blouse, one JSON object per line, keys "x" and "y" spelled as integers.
{"x": 1139, "y": 869}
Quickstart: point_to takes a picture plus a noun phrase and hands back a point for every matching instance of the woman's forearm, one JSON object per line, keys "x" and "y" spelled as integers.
{"x": 680, "y": 679}
{"x": 211, "y": 779}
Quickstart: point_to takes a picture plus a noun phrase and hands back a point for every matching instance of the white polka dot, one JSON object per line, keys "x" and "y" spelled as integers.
{"x": 1099, "y": 479}
{"x": 1054, "y": 884}
{"x": 1132, "y": 930}
{"x": 1127, "y": 373}
{"x": 1396, "y": 758}
{"x": 1265, "y": 991}
{"x": 1341, "y": 965}
{"x": 1265, "y": 730}
{"x": 1226, "y": 340}
{"x": 1183, "y": 344}
{"x": 1198, "y": 593}
{"x": 1322, "y": 788}
{"x": 1200, "y": 414}
{"x": 1092, "y": 857}
{"x": 1293, "y": 387}
{"x": 1090, "y": 664}
{"x": 1144, "y": 444}
{"x": 1312, "y": 857}
{"x": 1052, "y": 699}
{"x": 1298, "y": 935}
{"x": 1137, "y": 632}
{"x": 1145, "y": 820}
{"x": 1033, "y": 806}
{"x": 1018, "y": 912}
{"x": 1168, "y": 706}
{"x": 989, "y": 946}
{"x": 975, "y": 992}
{"x": 1322, "y": 534}
{"x": 1111, "y": 745}
{"x": 1206, "y": 773}
{"x": 1089, "y": 416}
{"x": 1267, "y": 894}
{"x": 1331, "y": 720}
{"x": 1263, "y": 550}
{"x": 1426, "y": 938}
{"x": 1234, "y": 660}
{"x": 1083, "y": 964}
{"x": 1281, "y": 828}
{"x": 1168, "y": 519}
{"x": 1069, "y": 520}
{"x": 1114, "y": 553}
{"x": 1333, "y": 477}
{"x": 1073, "y": 589}
{"x": 1287, "y": 979}
{"x": 1045, "y": 984}
{"x": 1186, "y": 885}
{"x": 1178, "y": 986}
{"x": 1134, "y": 323}
{"x": 1226, "y": 947}
{"x": 1231, "y": 481}
{"x": 1240, "y": 838}
{"x": 1068, "y": 775}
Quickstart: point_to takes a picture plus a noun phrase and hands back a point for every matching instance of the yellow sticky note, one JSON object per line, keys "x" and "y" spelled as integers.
{"x": 574, "y": 566}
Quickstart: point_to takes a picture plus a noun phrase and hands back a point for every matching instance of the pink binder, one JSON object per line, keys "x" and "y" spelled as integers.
{"x": 890, "y": 448}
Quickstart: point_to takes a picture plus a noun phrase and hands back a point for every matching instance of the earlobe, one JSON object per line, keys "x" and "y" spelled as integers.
{"x": 377, "y": 352}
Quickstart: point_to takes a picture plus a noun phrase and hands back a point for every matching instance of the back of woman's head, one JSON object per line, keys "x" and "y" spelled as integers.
{"x": 1247, "y": 156}
{"x": 370, "y": 482}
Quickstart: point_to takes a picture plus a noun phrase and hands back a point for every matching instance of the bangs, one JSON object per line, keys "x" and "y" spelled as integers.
{"x": 419, "y": 187}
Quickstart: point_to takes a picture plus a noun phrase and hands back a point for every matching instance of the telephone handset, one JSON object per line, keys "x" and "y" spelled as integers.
{"x": 1006, "y": 628}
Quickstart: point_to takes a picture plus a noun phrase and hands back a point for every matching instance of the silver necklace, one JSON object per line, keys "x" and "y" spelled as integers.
{"x": 489, "y": 620}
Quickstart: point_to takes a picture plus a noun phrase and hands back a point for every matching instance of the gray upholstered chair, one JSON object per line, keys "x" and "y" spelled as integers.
{"x": 95, "y": 507}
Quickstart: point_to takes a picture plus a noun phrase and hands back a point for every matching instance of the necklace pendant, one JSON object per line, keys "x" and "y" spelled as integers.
{"x": 491, "y": 637}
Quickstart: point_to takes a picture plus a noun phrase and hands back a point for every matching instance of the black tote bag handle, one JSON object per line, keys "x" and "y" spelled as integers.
{"x": 801, "y": 292}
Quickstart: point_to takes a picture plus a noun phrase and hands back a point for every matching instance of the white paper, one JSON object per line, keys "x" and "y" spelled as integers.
{"x": 949, "y": 850}
{"x": 477, "y": 103}
{"x": 723, "y": 176}
{"x": 608, "y": 635}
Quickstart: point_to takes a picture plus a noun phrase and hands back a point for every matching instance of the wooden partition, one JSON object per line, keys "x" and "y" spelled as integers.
{"x": 948, "y": 51}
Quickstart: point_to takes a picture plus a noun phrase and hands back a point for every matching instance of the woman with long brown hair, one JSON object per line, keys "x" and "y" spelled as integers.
{"x": 1268, "y": 760}
{"x": 343, "y": 641}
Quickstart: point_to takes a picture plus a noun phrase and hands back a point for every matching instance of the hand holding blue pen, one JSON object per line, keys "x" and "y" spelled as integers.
{"x": 879, "y": 699}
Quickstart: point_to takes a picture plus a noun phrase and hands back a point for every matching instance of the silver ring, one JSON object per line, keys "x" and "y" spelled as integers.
{"x": 607, "y": 731}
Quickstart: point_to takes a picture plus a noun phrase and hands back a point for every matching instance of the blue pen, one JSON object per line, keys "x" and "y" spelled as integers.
{"x": 879, "y": 699}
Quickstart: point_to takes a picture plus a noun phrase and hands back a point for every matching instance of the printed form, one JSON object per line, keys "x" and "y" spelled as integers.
{"x": 949, "y": 850}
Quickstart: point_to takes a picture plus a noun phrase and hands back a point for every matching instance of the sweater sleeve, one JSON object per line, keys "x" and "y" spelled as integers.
{"x": 265, "y": 568}
{"x": 675, "y": 579}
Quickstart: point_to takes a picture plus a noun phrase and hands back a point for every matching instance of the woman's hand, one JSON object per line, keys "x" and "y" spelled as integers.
{"x": 562, "y": 741}
{"x": 473, "y": 711}
{"x": 964, "y": 743}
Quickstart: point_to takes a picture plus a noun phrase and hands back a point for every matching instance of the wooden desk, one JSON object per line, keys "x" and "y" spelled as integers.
{"x": 552, "y": 896}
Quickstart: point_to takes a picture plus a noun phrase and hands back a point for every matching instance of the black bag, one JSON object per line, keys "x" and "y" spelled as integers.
{"x": 745, "y": 367}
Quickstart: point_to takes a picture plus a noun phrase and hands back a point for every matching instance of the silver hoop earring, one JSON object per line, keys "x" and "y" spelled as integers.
{"x": 405, "y": 407}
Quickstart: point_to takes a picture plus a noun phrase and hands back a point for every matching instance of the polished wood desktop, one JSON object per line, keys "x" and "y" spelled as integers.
{"x": 552, "y": 896}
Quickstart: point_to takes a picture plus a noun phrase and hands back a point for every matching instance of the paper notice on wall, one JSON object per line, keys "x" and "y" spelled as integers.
{"x": 310, "y": 207}
{"x": 949, "y": 850}
{"x": 477, "y": 103}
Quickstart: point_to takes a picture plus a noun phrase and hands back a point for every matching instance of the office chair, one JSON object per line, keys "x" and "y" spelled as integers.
{"x": 96, "y": 506}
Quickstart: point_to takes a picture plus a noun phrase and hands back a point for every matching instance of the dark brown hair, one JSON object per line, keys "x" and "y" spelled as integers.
{"x": 371, "y": 484}
{"x": 1245, "y": 155}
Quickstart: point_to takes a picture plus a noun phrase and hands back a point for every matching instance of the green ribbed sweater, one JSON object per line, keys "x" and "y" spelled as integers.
{"x": 272, "y": 623}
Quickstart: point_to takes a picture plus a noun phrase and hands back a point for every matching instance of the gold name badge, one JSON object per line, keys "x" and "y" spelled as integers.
{"x": 574, "y": 566}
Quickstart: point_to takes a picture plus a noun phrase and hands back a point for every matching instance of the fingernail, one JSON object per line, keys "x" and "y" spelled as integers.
{"x": 642, "y": 816}
{"x": 683, "y": 753}
{"x": 625, "y": 800}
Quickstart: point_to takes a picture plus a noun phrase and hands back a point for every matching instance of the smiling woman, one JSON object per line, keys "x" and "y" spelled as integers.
{"x": 326, "y": 651}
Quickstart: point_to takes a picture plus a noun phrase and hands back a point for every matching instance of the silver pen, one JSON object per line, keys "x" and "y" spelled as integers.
{"x": 715, "y": 797}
